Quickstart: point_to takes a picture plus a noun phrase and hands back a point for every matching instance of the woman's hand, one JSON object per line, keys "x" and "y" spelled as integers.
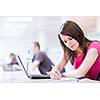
{"x": 54, "y": 74}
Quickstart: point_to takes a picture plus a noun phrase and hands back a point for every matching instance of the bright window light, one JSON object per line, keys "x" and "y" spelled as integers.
{"x": 12, "y": 33}
{"x": 15, "y": 25}
{"x": 19, "y": 19}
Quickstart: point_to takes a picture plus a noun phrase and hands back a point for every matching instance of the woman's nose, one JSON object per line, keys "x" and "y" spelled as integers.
{"x": 69, "y": 43}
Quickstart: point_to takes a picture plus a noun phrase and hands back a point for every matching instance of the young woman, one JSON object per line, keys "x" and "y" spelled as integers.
{"x": 83, "y": 53}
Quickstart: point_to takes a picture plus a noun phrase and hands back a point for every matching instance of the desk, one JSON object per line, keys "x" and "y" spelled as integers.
{"x": 55, "y": 90}
{"x": 19, "y": 76}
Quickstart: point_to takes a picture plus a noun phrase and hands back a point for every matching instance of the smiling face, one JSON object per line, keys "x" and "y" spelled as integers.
{"x": 70, "y": 42}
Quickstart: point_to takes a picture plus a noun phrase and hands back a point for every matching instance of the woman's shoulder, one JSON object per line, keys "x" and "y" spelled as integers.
{"x": 41, "y": 53}
{"x": 94, "y": 44}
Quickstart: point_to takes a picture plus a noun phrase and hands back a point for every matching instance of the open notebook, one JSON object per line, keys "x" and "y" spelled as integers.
{"x": 31, "y": 76}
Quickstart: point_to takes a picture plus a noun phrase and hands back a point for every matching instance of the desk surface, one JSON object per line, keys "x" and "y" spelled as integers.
{"x": 19, "y": 76}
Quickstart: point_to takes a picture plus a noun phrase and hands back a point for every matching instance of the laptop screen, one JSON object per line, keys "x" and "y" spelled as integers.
{"x": 22, "y": 65}
{"x": 35, "y": 76}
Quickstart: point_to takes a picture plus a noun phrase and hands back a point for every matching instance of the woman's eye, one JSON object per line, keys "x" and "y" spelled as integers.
{"x": 65, "y": 41}
{"x": 70, "y": 38}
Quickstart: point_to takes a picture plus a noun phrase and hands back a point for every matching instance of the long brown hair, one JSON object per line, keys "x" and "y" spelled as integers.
{"x": 73, "y": 30}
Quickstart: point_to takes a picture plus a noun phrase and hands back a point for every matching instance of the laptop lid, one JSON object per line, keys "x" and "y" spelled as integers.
{"x": 35, "y": 76}
{"x": 22, "y": 65}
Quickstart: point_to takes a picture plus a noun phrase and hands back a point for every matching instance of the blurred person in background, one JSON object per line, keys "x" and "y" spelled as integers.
{"x": 40, "y": 59}
{"x": 13, "y": 65}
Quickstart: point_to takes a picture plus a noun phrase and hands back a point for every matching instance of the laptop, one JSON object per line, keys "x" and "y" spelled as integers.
{"x": 31, "y": 76}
